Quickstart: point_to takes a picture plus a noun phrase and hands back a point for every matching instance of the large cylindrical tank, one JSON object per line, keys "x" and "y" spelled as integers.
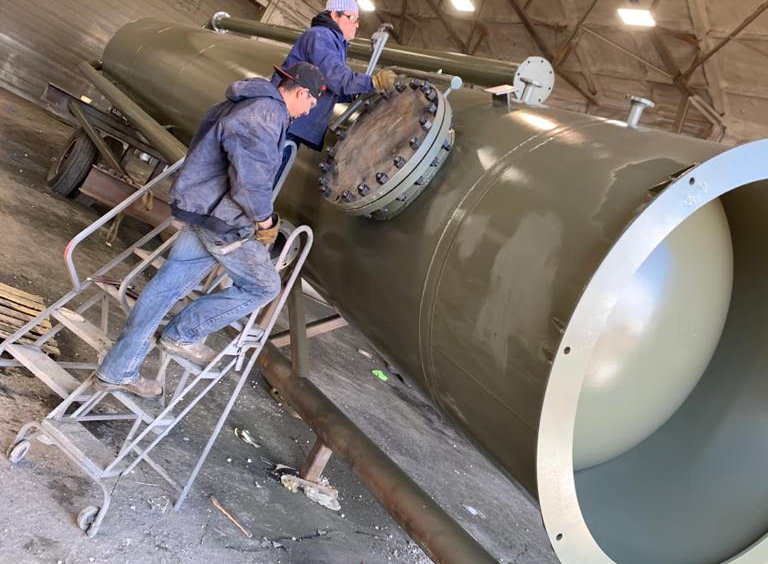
{"x": 584, "y": 299}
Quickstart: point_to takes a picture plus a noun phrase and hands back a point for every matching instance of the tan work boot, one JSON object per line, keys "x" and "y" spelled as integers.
{"x": 141, "y": 386}
{"x": 199, "y": 352}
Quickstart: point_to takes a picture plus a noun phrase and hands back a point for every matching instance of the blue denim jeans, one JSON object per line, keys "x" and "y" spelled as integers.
{"x": 255, "y": 282}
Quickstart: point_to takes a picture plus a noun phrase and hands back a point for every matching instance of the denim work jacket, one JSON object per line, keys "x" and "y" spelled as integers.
{"x": 324, "y": 46}
{"x": 225, "y": 184}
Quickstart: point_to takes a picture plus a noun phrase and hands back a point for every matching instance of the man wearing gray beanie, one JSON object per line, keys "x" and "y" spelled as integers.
{"x": 324, "y": 45}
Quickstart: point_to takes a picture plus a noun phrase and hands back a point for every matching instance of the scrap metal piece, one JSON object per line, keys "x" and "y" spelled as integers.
{"x": 246, "y": 437}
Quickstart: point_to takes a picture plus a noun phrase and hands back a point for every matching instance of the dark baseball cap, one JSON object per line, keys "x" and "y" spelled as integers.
{"x": 306, "y": 75}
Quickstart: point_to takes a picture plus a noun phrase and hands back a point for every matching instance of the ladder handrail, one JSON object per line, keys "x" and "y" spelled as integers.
{"x": 280, "y": 299}
{"x": 286, "y": 169}
{"x": 93, "y": 227}
{"x": 283, "y": 296}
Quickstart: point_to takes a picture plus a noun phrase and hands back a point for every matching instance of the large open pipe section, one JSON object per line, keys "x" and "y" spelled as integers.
{"x": 585, "y": 300}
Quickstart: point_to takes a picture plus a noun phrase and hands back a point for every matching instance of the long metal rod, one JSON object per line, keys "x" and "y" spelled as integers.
{"x": 476, "y": 70}
{"x": 569, "y": 44}
{"x": 723, "y": 42}
{"x": 446, "y": 24}
{"x": 170, "y": 147}
{"x": 425, "y": 521}
{"x": 626, "y": 51}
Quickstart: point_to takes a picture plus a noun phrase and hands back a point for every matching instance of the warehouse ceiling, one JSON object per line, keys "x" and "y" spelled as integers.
{"x": 705, "y": 83}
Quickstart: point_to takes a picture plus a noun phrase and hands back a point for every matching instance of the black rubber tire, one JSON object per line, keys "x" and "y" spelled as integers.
{"x": 68, "y": 172}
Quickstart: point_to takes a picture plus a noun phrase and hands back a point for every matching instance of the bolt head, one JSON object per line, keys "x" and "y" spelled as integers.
{"x": 432, "y": 109}
{"x": 381, "y": 177}
{"x": 415, "y": 143}
{"x": 400, "y": 161}
{"x": 346, "y": 196}
{"x": 363, "y": 189}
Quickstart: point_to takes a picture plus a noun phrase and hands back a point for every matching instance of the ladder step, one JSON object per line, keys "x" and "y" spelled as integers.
{"x": 143, "y": 254}
{"x": 84, "y": 329}
{"x": 146, "y": 409}
{"x": 90, "y": 453}
{"x": 114, "y": 292}
{"x": 42, "y": 366}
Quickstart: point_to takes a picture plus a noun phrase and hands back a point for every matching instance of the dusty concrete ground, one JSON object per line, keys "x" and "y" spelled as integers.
{"x": 41, "y": 496}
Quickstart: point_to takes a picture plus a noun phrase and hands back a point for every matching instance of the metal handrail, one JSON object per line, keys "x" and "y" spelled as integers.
{"x": 241, "y": 342}
{"x": 93, "y": 227}
{"x": 286, "y": 169}
{"x": 122, "y": 294}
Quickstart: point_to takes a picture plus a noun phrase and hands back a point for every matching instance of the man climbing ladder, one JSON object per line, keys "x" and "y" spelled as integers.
{"x": 223, "y": 194}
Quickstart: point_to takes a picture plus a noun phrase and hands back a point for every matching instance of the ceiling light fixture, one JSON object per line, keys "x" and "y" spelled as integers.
{"x": 463, "y": 5}
{"x": 366, "y": 5}
{"x": 632, "y": 16}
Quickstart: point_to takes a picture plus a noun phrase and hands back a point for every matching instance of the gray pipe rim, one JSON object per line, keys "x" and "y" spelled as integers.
{"x": 565, "y": 525}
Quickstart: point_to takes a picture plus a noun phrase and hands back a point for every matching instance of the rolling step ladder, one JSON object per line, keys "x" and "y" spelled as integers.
{"x": 151, "y": 420}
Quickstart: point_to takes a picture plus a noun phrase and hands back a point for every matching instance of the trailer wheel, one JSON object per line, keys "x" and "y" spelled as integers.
{"x": 68, "y": 172}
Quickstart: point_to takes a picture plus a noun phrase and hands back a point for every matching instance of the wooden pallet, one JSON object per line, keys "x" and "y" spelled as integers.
{"x": 16, "y": 309}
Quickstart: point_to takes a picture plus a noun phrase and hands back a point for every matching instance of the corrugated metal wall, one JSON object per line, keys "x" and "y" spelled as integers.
{"x": 42, "y": 41}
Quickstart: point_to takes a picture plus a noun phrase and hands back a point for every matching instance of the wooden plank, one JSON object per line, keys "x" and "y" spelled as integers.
{"x": 13, "y": 325}
{"x": 20, "y": 308}
{"x": 5, "y": 289}
{"x": 21, "y": 316}
{"x": 50, "y": 347}
{"x": 24, "y": 304}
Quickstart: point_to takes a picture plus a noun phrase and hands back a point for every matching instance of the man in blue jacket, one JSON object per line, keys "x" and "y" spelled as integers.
{"x": 223, "y": 195}
{"x": 324, "y": 45}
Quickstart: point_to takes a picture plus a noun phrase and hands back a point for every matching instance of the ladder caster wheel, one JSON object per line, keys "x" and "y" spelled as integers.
{"x": 86, "y": 518}
{"x": 18, "y": 451}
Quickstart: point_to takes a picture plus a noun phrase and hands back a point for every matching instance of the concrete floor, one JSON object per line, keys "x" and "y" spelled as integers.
{"x": 42, "y": 495}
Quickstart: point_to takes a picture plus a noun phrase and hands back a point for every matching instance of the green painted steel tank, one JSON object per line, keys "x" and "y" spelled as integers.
{"x": 584, "y": 299}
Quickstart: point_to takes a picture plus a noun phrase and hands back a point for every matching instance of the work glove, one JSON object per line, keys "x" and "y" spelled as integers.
{"x": 384, "y": 80}
{"x": 267, "y": 236}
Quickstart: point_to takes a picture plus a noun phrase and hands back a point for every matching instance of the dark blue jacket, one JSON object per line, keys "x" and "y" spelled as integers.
{"x": 324, "y": 46}
{"x": 225, "y": 184}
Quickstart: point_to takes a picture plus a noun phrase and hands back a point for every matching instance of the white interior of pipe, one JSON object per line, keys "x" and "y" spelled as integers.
{"x": 658, "y": 340}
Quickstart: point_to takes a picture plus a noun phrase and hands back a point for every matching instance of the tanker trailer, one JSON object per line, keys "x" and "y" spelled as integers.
{"x": 580, "y": 296}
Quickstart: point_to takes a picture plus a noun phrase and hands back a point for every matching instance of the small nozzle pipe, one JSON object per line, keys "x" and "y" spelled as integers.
{"x": 636, "y": 108}
{"x": 530, "y": 86}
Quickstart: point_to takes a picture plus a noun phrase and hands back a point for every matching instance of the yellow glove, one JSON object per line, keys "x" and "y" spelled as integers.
{"x": 384, "y": 80}
{"x": 267, "y": 236}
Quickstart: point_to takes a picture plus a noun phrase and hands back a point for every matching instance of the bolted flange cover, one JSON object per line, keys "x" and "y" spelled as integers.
{"x": 389, "y": 152}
